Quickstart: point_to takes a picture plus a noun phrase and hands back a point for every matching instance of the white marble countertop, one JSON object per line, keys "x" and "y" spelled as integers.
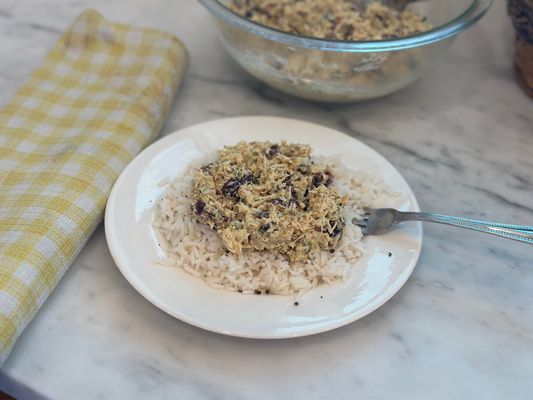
{"x": 462, "y": 326}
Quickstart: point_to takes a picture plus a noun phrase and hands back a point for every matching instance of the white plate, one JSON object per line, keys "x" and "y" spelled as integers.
{"x": 375, "y": 279}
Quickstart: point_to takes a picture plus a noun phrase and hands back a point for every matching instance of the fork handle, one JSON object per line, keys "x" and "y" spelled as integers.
{"x": 521, "y": 233}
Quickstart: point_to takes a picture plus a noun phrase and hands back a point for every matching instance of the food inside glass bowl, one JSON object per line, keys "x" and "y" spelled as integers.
{"x": 327, "y": 74}
{"x": 333, "y": 19}
{"x": 265, "y": 218}
{"x": 330, "y": 65}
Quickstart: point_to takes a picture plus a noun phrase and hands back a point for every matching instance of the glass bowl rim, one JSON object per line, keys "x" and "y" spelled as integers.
{"x": 451, "y": 28}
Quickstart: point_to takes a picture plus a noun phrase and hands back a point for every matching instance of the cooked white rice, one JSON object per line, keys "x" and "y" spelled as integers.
{"x": 199, "y": 251}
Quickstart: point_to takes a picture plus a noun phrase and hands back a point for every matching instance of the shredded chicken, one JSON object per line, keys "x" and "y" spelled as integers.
{"x": 270, "y": 196}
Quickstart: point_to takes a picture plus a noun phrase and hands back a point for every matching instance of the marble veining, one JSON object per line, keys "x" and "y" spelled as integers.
{"x": 462, "y": 326}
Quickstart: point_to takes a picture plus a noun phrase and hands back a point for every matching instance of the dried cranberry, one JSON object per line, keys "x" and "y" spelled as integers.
{"x": 278, "y": 201}
{"x": 231, "y": 187}
{"x": 317, "y": 180}
{"x": 294, "y": 193}
{"x": 199, "y": 206}
{"x": 273, "y": 151}
{"x": 247, "y": 178}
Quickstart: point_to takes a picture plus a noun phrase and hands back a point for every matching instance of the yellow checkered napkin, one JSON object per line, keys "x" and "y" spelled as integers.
{"x": 100, "y": 96}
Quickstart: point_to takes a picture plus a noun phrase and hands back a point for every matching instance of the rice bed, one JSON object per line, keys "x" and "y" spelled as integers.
{"x": 199, "y": 251}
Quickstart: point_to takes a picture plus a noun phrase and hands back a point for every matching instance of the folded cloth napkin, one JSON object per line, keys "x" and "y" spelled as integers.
{"x": 100, "y": 96}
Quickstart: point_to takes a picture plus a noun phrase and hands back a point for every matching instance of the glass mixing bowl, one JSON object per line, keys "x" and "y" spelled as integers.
{"x": 342, "y": 71}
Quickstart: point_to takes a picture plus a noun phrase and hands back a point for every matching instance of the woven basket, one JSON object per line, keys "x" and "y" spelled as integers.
{"x": 521, "y": 12}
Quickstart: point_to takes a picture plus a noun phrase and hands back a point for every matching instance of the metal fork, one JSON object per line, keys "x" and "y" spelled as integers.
{"x": 378, "y": 220}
